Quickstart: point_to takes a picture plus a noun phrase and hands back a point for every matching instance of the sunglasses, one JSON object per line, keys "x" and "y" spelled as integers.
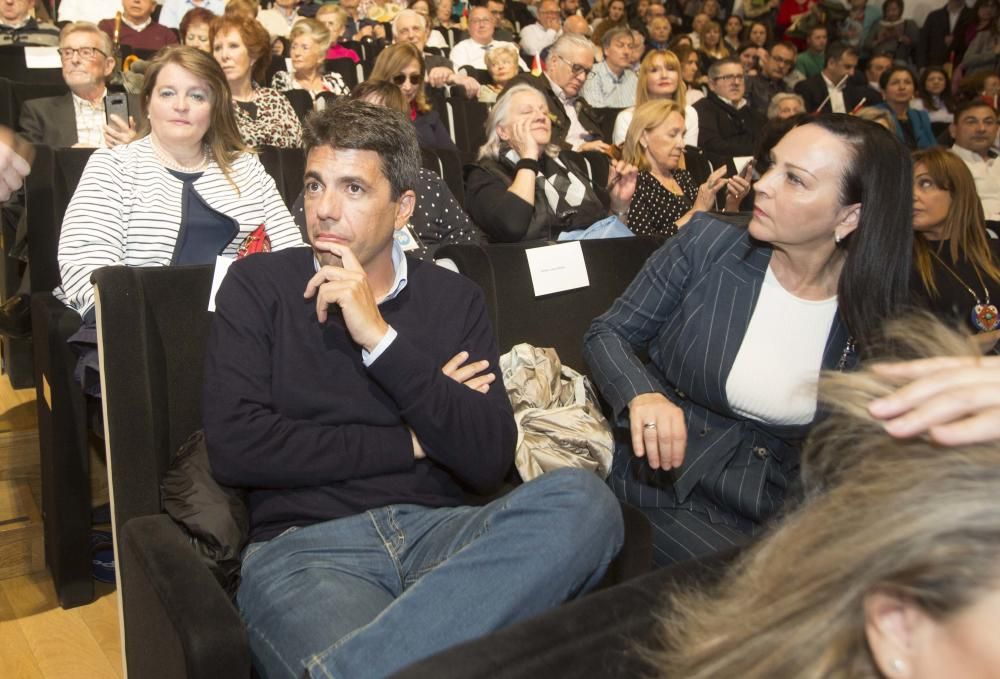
{"x": 415, "y": 79}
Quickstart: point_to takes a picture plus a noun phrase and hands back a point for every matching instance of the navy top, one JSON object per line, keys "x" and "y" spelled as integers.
{"x": 204, "y": 232}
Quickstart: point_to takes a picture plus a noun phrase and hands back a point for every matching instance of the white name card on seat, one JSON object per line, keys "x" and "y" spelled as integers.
{"x": 42, "y": 57}
{"x": 222, "y": 265}
{"x": 555, "y": 268}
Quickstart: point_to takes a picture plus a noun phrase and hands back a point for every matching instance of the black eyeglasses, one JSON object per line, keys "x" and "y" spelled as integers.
{"x": 576, "y": 69}
{"x": 415, "y": 79}
{"x": 87, "y": 53}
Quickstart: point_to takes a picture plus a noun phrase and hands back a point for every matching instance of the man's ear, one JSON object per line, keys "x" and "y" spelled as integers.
{"x": 849, "y": 218}
{"x": 109, "y": 66}
{"x": 404, "y": 208}
{"x": 892, "y": 627}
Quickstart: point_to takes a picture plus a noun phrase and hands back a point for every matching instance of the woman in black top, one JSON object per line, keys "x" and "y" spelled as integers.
{"x": 957, "y": 267}
{"x": 523, "y": 187}
{"x": 666, "y": 195}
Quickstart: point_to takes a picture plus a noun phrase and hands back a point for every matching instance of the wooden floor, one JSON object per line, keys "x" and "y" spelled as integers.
{"x": 39, "y": 640}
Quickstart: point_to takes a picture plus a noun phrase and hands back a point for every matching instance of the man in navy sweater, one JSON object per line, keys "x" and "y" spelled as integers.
{"x": 354, "y": 392}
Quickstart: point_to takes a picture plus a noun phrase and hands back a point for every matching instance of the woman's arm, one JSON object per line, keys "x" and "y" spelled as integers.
{"x": 501, "y": 213}
{"x": 94, "y": 231}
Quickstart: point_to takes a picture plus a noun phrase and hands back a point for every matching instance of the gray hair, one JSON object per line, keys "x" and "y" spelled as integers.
{"x": 509, "y": 49}
{"x": 402, "y": 14}
{"x": 778, "y": 99}
{"x": 614, "y": 34}
{"x": 569, "y": 41}
{"x": 87, "y": 27}
{"x": 498, "y": 116}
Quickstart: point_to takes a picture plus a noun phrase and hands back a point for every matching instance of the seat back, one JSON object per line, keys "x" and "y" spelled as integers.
{"x": 153, "y": 325}
{"x": 301, "y": 102}
{"x": 286, "y": 167}
{"x": 448, "y": 166}
{"x": 558, "y": 320}
{"x": 14, "y": 67}
{"x": 48, "y": 190}
{"x": 345, "y": 68}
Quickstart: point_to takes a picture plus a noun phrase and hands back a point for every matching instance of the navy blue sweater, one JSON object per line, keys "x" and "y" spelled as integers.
{"x": 293, "y": 415}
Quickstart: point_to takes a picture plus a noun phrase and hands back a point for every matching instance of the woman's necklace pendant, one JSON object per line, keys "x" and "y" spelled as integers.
{"x": 985, "y": 317}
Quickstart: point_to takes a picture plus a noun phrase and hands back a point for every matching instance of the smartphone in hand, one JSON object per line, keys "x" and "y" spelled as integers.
{"x": 116, "y": 103}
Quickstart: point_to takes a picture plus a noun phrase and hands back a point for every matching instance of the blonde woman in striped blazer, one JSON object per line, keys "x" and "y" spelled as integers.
{"x": 186, "y": 191}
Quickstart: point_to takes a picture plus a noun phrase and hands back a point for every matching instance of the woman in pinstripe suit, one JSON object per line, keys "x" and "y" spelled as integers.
{"x": 737, "y": 325}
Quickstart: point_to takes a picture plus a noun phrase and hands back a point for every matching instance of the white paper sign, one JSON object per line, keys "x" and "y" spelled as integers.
{"x": 222, "y": 265}
{"x": 555, "y": 268}
{"x": 42, "y": 57}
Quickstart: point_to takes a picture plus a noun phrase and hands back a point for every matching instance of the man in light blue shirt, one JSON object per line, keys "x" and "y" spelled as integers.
{"x": 612, "y": 83}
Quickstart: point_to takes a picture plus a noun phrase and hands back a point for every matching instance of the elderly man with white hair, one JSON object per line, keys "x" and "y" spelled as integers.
{"x": 471, "y": 51}
{"x": 409, "y": 26}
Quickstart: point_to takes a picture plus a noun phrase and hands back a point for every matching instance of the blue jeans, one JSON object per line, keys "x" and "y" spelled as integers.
{"x": 364, "y": 596}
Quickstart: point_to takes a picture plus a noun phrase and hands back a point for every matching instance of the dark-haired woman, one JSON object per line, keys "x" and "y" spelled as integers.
{"x": 957, "y": 266}
{"x": 737, "y": 324}
{"x": 934, "y": 97}
{"x": 913, "y": 126}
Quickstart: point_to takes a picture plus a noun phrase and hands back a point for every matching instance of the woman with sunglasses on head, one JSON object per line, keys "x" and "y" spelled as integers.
{"x": 957, "y": 266}
{"x": 403, "y": 65}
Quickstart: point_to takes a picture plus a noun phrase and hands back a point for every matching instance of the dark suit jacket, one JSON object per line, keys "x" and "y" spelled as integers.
{"x": 52, "y": 120}
{"x": 813, "y": 91}
{"x": 931, "y": 48}
{"x": 589, "y": 118}
{"x": 689, "y": 309}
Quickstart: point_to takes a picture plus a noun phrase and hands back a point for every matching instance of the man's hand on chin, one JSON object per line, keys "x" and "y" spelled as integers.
{"x": 347, "y": 287}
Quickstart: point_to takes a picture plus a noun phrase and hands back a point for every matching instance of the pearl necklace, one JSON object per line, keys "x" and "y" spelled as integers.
{"x": 171, "y": 164}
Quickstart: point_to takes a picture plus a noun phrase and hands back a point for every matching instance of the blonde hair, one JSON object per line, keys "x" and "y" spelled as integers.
{"x": 509, "y": 50}
{"x": 650, "y": 115}
{"x": 312, "y": 29}
{"x": 335, "y": 11}
{"x": 222, "y": 137}
{"x": 902, "y": 516}
{"x": 672, "y": 63}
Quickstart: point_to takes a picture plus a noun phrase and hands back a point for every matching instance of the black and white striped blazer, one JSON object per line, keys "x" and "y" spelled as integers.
{"x": 127, "y": 209}
{"x": 689, "y": 308}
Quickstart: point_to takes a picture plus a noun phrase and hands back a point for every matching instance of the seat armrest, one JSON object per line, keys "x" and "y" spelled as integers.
{"x": 181, "y": 622}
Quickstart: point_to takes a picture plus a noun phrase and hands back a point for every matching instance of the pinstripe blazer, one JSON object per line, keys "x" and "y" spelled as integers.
{"x": 689, "y": 309}
{"x": 127, "y": 209}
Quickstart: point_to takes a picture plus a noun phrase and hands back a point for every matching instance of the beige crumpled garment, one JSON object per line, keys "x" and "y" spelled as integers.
{"x": 559, "y": 423}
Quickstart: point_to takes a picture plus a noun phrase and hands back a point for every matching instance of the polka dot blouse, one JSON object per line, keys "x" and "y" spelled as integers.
{"x": 654, "y": 209}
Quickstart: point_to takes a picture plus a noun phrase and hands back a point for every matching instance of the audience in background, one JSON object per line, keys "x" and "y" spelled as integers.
{"x": 934, "y": 96}
{"x": 78, "y": 117}
{"x": 975, "y": 131}
{"x": 832, "y": 89}
{"x": 264, "y": 116}
{"x": 893, "y": 35}
{"x": 18, "y": 25}
{"x": 957, "y": 266}
{"x": 913, "y": 126}
{"x": 785, "y": 105}
{"x": 136, "y": 27}
{"x": 723, "y": 123}
{"x": 501, "y": 62}
{"x": 874, "y": 70}
{"x": 310, "y": 40}
{"x": 403, "y": 65}
{"x": 811, "y": 61}
{"x": 195, "y": 29}
{"x": 762, "y": 88}
{"x": 470, "y": 52}
{"x": 279, "y": 19}
{"x": 937, "y": 36}
{"x": 536, "y": 37}
{"x": 523, "y": 188}
{"x": 173, "y": 11}
{"x": 575, "y": 124}
{"x": 611, "y": 83}
{"x": 659, "y": 78}
{"x": 335, "y": 20}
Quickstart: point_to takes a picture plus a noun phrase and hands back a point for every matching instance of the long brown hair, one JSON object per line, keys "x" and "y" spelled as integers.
{"x": 393, "y": 60}
{"x": 223, "y": 137}
{"x": 669, "y": 60}
{"x": 965, "y": 225}
{"x": 902, "y": 516}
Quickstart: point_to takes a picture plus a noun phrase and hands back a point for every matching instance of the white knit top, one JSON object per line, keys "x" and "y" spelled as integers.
{"x": 775, "y": 373}
{"x": 127, "y": 210}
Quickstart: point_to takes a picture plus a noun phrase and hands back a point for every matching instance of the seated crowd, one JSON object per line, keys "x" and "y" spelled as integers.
{"x": 811, "y": 176}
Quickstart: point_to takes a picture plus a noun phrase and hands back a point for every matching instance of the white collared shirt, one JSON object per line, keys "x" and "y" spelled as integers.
{"x": 138, "y": 28}
{"x": 836, "y": 95}
{"x": 577, "y": 134}
{"x": 986, "y": 173}
{"x": 470, "y": 53}
{"x": 90, "y": 121}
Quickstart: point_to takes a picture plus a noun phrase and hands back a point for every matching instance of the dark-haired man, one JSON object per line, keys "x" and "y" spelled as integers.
{"x": 832, "y": 89}
{"x": 974, "y": 131}
{"x": 762, "y": 87}
{"x": 355, "y": 393}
